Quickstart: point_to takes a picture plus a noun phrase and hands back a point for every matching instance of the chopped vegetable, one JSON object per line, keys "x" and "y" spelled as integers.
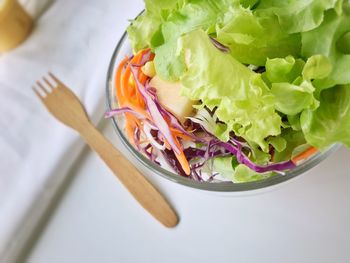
{"x": 239, "y": 90}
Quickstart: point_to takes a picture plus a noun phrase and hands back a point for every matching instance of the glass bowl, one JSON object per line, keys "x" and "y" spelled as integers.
{"x": 123, "y": 49}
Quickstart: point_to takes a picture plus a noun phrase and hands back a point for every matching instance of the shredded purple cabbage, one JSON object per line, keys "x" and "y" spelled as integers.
{"x": 243, "y": 159}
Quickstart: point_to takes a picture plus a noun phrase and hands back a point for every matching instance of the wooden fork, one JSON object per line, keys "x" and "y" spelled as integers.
{"x": 66, "y": 107}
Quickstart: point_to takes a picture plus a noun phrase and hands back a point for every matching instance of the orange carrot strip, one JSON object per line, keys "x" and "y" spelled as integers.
{"x": 180, "y": 134}
{"x": 166, "y": 143}
{"x": 130, "y": 91}
{"x": 125, "y": 83}
{"x": 184, "y": 163}
{"x": 122, "y": 100}
{"x": 124, "y": 95}
{"x": 142, "y": 78}
{"x": 304, "y": 155}
{"x": 130, "y": 132}
{"x": 129, "y": 96}
{"x": 118, "y": 85}
{"x": 182, "y": 158}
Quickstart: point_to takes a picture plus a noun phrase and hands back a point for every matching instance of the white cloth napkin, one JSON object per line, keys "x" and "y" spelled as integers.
{"x": 75, "y": 40}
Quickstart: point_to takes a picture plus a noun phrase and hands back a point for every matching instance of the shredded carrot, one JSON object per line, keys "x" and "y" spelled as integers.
{"x": 128, "y": 95}
{"x": 123, "y": 99}
{"x": 184, "y": 163}
{"x": 180, "y": 134}
{"x": 118, "y": 85}
{"x": 182, "y": 159}
{"x": 304, "y": 155}
{"x": 125, "y": 82}
{"x": 143, "y": 78}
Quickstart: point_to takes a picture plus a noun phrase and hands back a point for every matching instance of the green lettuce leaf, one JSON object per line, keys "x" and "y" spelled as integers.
{"x": 292, "y": 99}
{"x": 142, "y": 30}
{"x": 180, "y": 22}
{"x": 228, "y": 168}
{"x": 163, "y": 9}
{"x": 249, "y": 3}
{"x": 252, "y": 38}
{"x": 329, "y": 33}
{"x": 257, "y": 155}
{"x": 291, "y": 82}
{"x": 343, "y": 43}
{"x": 225, "y": 166}
{"x": 294, "y": 122}
{"x": 195, "y": 15}
{"x": 293, "y": 140}
{"x": 243, "y": 174}
{"x": 284, "y": 69}
{"x": 298, "y": 15}
{"x": 330, "y": 123}
{"x": 278, "y": 143}
{"x": 317, "y": 67}
{"x": 243, "y": 101}
{"x": 168, "y": 65}
{"x": 145, "y": 30}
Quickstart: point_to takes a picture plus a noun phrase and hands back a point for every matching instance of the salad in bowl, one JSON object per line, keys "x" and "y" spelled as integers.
{"x": 233, "y": 92}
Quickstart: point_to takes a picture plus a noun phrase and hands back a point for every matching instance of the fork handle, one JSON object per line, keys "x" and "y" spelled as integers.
{"x": 143, "y": 191}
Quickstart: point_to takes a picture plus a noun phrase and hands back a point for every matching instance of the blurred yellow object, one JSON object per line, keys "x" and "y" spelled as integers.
{"x": 15, "y": 24}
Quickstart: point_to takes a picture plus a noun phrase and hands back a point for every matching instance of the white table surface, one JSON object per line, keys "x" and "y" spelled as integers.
{"x": 96, "y": 221}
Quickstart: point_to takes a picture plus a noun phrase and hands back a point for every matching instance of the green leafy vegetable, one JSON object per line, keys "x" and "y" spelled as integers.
{"x": 224, "y": 166}
{"x": 284, "y": 69}
{"x": 244, "y": 174}
{"x": 298, "y": 15}
{"x": 330, "y": 123}
{"x": 252, "y": 39}
{"x": 292, "y": 99}
{"x": 329, "y": 32}
{"x": 278, "y": 143}
{"x": 249, "y": 3}
{"x": 317, "y": 67}
{"x": 206, "y": 15}
{"x": 183, "y": 21}
{"x": 293, "y": 140}
{"x": 343, "y": 43}
{"x": 167, "y": 64}
{"x": 228, "y": 168}
{"x": 163, "y": 9}
{"x": 294, "y": 121}
{"x": 142, "y": 30}
{"x": 145, "y": 30}
{"x": 244, "y": 103}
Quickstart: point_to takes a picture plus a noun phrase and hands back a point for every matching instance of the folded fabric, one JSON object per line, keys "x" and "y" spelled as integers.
{"x": 75, "y": 40}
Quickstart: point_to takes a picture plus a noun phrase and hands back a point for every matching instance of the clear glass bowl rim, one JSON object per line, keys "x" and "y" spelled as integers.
{"x": 215, "y": 187}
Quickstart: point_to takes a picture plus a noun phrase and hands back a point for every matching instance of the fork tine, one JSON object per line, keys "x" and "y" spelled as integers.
{"x": 37, "y": 93}
{"x": 41, "y": 86}
{"x": 48, "y": 83}
{"x": 55, "y": 78}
